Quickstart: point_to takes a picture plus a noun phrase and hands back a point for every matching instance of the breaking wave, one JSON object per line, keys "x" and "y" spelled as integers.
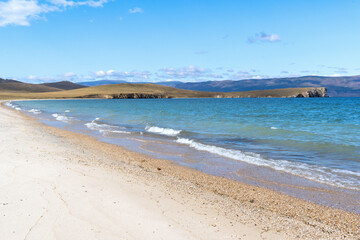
{"x": 334, "y": 177}
{"x": 9, "y": 104}
{"x": 34, "y": 111}
{"x": 163, "y": 131}
{"x": 61, "y": 118}
{"x": 103, "y": 128}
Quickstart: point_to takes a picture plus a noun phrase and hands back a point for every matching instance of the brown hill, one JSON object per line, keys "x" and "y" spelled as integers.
{"x": 127, "y": 90}
{"x": 64, "y": 85}
{"x": 16, "y": 86}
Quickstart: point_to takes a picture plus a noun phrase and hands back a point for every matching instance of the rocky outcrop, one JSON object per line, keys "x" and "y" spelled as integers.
{"x": 274, "y": 93}
{"x": 314, "y": 92}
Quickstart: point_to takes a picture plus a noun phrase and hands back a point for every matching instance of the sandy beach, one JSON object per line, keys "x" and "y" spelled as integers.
{"x": 56, "y": 184}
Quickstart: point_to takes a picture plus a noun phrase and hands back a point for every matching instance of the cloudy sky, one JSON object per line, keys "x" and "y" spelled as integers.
{"x": 185, "y": 40}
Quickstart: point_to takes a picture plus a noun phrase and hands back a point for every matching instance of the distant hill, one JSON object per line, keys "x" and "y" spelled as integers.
{"x": 64, "y": 85}
{"x": 126, "y": 90}
{"x": 100, "y": 82}
{"x": 168, "y": 83}
{"x": 7, "y": 85}
{"x": 336, "y": 86}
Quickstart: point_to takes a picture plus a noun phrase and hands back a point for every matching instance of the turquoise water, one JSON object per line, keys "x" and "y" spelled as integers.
{"x": 315, "y": 138}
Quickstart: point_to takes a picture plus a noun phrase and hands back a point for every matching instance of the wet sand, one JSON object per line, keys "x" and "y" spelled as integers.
{"x": 56, "y": 184}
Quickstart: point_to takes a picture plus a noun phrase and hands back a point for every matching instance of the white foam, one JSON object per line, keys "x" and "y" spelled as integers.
{"x": 103, "y": 128}
{"x": 67, "y": 111}
{"x": 61, "y": 117}
{"x": 17, "y": 108}
{"x": 163, "y": 131}
{"x": 274, "y": 128}
{"x": 116, "y": 131}
{"x": 35, "y": 111}
{"x": 9, "y": 104}
{"x": 316, "y": 173}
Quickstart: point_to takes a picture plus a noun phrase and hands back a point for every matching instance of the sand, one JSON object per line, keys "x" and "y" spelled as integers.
{"x": 56, "y": 184}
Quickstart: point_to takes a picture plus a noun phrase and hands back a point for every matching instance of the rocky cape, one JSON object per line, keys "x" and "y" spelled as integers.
{"x": 145, "y": 91}
{"x": 275, "y": 93}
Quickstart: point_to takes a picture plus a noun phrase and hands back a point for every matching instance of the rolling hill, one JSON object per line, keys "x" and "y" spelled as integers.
{"x": 337, "y": 86}
{"x": 126, "y": 90}
{"x": 16, "y": 86}
{"x": 64, "y": 85}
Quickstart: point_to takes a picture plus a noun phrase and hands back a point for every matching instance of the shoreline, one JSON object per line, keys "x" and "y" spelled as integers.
{"x": 268, "y": 211}
{"x": 310, "y": 187}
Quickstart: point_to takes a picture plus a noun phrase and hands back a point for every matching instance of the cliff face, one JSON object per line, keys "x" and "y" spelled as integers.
{"x": 314, "y": 92}
{"x": 275, "y": 93}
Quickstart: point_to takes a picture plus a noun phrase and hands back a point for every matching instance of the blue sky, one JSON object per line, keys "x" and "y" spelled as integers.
{"x": 185, "y": 40}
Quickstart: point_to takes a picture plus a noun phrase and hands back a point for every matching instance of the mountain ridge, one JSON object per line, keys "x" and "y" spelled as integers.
{"x": 348, "y": 86}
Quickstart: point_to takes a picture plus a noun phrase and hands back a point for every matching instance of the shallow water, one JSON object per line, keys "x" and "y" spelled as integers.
{"x": 317, "y": 139}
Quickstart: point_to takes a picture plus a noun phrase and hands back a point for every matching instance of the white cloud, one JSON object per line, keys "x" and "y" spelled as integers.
{"x": 190, "y": 73}
{"x": 118, "y": 75}
{"x": 62, "y": 3}
{"x": 241, "y": 75}
{"x": 100, "y": 73}
{"x": 264, "y": 37}
{"x": 90, "y": 3}
{"x": 21, "y": 12}
{"x": 136, "y": 10}
{"x": 258, "y": 77}
{"x": 186, "y": 72}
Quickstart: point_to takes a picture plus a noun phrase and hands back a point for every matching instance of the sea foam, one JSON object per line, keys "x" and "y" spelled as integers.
{"x": 313, "y": 172}
{"x": 163, "y": 131}
{"x": 9, "y": 104}
{"x": 103, "y": 128}
{"x": 61, "y": 118}
{"x": 34, "y": 111}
